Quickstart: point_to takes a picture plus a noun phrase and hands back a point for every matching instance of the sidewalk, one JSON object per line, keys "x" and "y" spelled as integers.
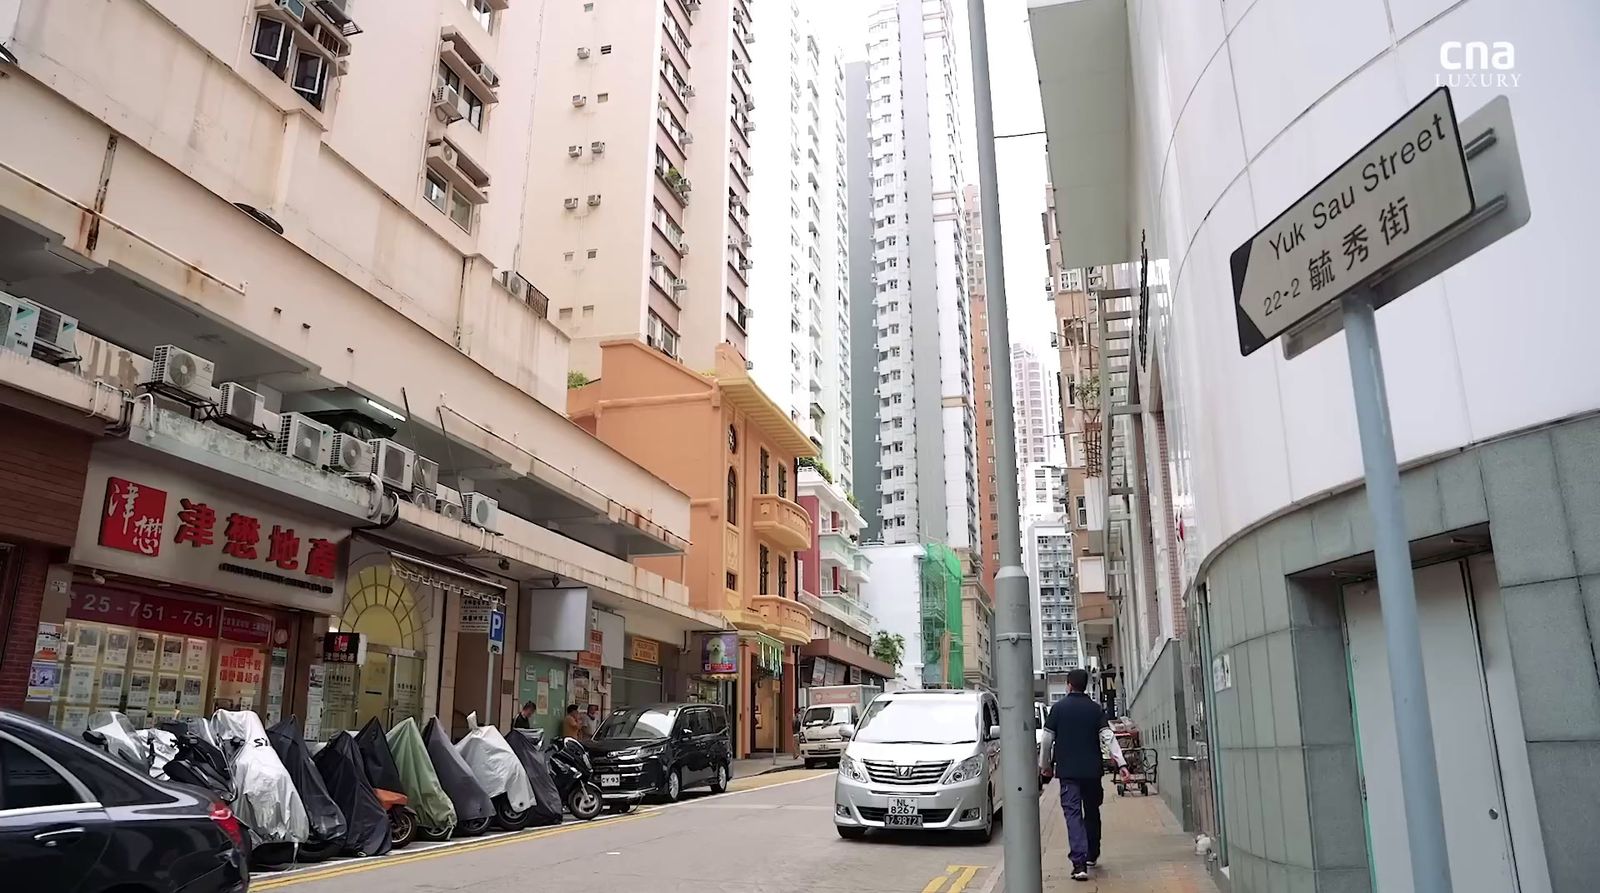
{"x": 761, "y": 765}
{"x": 1144, "y": 849}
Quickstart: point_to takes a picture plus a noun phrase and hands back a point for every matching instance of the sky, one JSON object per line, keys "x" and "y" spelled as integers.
{"x": 1014, "y": 86}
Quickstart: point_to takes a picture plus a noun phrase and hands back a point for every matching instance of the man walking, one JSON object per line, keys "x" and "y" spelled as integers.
{"x": 1074, "y": 730}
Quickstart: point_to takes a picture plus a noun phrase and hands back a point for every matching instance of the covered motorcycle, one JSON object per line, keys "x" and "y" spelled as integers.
{"x": 436, "y": 813}
{"x": 497, "y": 768}
{"x": 546, "y": 809}
{"x": 327, "y": 822}
{"x": 377, "y": 758}
{"x": 264, "y": 795}
{"x": 473, "y": 807}
{"x": 366, "y": 821}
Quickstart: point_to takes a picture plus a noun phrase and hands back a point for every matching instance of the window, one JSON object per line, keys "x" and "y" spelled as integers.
{"x": 661, "y": 336}
{"x": 1082, "y": 508}
{"x": 27, "y": 781}
{"x": 468, "y": 102}
{"x": 461, "y": 211}
{"x": 605, "y": 49}
{"x": 783, "y": 575}
{"x": 483, "y": 13}
{"x": 765, "y": 558}
{"x": 765, "y": 484}
{"x": 592, "y": 252}
{"x": 271, "y": 45}
{"x": 783, "y": 481}
{"x": 603, "y": 97}
{"x": 588, "y": 7}
{"x": 310, "y": 77}
{"x": 730, "y": 580}
{"x": 438, "y": 194}
{"x": 733, "y": 496}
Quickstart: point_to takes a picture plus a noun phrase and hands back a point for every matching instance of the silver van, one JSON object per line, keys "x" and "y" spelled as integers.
{"x": 922, "y": 760}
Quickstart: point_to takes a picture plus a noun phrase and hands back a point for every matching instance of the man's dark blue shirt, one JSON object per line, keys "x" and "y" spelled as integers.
{"x": 1076, "y": 721}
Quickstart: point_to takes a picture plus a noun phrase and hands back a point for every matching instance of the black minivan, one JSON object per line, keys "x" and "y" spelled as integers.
{"x": 661, "y": 750}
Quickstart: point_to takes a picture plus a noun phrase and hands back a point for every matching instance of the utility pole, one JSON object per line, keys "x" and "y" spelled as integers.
{"x": 1013, "y": 637}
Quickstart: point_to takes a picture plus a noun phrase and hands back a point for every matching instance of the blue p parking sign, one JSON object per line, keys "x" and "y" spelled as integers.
{"x": 497, "y": 632}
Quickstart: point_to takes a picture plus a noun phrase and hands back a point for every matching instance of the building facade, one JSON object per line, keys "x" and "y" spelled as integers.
{"x": 832, "y": 571}
{"x": 800, "y": 342}
{"x": 301, "y": 325}
{"x": 988, "y": 551}
{"x": 1037, "y": 399}
{"x": 1047, "y": 555}
{"x": 1234, "y": 484}
{"x": 643, "y": 114}
{"x": 915, "y": 593}
{"x": 735, "y": 456}
{"x": 920, "y": 386}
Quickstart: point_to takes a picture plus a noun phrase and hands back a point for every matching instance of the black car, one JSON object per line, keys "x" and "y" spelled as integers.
{"x": 661, "y": 750}
{"x": 73, "y": 820}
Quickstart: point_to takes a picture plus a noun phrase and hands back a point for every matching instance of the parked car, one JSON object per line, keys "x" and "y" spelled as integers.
{"x": 661, "y": 750}
{"x": 922, "y": 760}
{"x": 825, "y": 730}
{"x": 74, "y": 820}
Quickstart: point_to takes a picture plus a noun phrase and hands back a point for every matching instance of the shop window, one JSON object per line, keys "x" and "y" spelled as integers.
{"x": 765, "y": 483}
{"x": 766, "y": 557}
{"x": 28, "y": 782}
{"x": 733, "y": 496}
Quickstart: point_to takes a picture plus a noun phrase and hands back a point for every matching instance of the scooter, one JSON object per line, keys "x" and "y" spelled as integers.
{"x": 473, "y": 807}
{"x": 496, "y": 767}
{"x": 326, "y": 820}
{"x": 113, "y": 733}
{"x": 379, "y": 763}
{"x": 574, "y": 777}
{"x": 431, "y": 804}
{"x": 265, "y": 799}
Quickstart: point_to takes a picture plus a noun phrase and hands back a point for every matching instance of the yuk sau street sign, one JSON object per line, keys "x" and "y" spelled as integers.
{"x": 1401, "y": 190}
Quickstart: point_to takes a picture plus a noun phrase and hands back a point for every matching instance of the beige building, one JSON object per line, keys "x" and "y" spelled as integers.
{"x": 638, "y": 214}
{"x": 329, "y": 217}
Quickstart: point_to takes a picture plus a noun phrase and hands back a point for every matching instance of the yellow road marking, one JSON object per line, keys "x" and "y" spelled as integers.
{"x": 437, "y": 852}
{"x": 937, "y": 884}
{"x": 963, "y": 876}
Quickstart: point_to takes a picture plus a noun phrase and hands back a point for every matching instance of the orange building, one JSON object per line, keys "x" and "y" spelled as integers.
{"x": 718, "y": 438}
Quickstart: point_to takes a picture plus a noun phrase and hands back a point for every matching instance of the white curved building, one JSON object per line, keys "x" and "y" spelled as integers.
{"x": 1187, "y": 126}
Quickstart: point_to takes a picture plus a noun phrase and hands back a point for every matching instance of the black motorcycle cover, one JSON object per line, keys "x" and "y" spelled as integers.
{"x": 470, "y": 799}
{"x": 546, "y": 798}
{"x": 377, "y": 759}
{"x": 327, "y": 822}
{"x": 340, "y": 765}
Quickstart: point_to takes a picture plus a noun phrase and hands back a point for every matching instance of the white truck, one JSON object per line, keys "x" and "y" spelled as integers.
{"x": 828, "y": 722}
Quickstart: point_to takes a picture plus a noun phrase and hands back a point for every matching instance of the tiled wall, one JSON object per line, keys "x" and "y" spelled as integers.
{"x": 1286, "y": 744}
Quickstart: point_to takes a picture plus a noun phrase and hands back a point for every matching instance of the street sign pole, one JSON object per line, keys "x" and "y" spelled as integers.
{"x": 1397, "y": 596}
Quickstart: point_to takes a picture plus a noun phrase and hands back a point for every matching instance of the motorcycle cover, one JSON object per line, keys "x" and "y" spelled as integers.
{"x": 376, "y": 758}
{"x": 327, "y": 821}
{"x": 161, "y": 746}
{"x": 419, "y": 782}
{"x": 470, "y": 799}
{"x": 368, "y": 823}
{"x": 546, "y": 797}
{"x": 264, "y": 796}
{"x": 494, "y": 764}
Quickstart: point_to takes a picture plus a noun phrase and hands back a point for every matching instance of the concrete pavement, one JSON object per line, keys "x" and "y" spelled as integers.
{"x": 772, "y": 833}
{"x": 1143, "y": 849}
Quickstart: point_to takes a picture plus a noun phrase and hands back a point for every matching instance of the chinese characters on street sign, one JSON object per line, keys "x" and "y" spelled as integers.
{"x": 1406, "y": 187}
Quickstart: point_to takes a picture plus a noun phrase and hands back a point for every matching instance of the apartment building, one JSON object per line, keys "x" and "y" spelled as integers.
{"x": 1037, "y": 405}
{"x": 800, "y": 341}
{"x": 1047, "y": 555}
{"x": 988, "y": 549}
{"x": 915, "y": 593}
{"x": 832, "y": 571}
{"x": 911, "y": 128}
{"x": 295, "y": 378}
{"x": 638, "y": 215}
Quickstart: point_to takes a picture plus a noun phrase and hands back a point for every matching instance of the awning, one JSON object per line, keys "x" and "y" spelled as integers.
{"x": 467, "y": 586}
{"x": 769, "y": 651}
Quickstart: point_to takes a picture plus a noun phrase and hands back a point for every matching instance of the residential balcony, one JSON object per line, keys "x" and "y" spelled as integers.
{"x": 835, "y": 547}
{"x": 783, "y": 522}
{"x": 782, "y": 618}
{"x": 847, "y": 655}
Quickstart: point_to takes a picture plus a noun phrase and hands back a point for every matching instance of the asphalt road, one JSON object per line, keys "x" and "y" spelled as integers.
{"x": 772, "y": 834}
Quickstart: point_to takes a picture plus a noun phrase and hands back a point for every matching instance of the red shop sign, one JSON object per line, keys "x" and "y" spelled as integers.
{"x": 149, "y": 612}
{"x": 242, "y": 626}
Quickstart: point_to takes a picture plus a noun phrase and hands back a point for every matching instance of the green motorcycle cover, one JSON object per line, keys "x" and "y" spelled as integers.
{"x": 433, "y": 806}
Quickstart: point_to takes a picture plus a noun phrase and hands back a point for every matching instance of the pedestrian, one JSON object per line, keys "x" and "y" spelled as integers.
{"x": 524, "y": 718}
{"x": 1074, "y": 732}
{"x": 572, "y": 723}
{"x": 591, "y": 723}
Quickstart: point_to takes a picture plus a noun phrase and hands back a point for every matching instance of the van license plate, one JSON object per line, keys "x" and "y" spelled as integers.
{"x": 903, "y": 813}
{"x": 611, "y": 781}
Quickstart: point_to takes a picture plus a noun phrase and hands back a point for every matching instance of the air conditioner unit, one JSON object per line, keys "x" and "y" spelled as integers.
{"x": 594, "y": 200}
{"x": 688, "y": 91}
{"x": 238, "y": 406}
{"x": 574, "y": 150}
{"x": 738, "y": 65}
{"x": 687, "y": 138}
{"x": 578, "y": 99}
{"x": 296, "y": 8}
{"x": 392, "y": 463}
{"x": 349, "y": 454}
{"x": 744, "y": 241}
{"x": 425, "y": 501}
{"x": 447, "y": 502}
{"x": 683, "y": 246}
{"x": 656, "y": 261}
{"x": 448, "y": 153}
{"x": 749, "y": 105}
{"x": 750, "y": 127}
{"x": 19, "y": 321}
{"x": 571, "y": 203}
{"x": 679, "y": 284}
{"x": 424, "y": 475}
{"x": 301, "y": 437}
{"x": 583, "y": 52}
{"x": 56, "y": 335}
{"x": 513, "y": 282}
{"x": 598, "y": 147}
{"x": 480, "y": 511}
{"x": 447, "y": 104}
{"x": 487, "y": 74}
{"x": 180, "y": 372}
